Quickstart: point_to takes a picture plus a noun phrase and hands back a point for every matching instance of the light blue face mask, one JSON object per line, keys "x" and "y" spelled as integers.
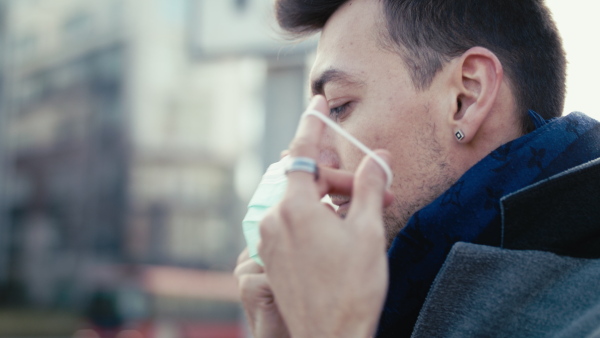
{"x": 273, "y": 184}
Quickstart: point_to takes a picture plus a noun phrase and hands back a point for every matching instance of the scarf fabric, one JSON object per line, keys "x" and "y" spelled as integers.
{"x": 469, "y": 211}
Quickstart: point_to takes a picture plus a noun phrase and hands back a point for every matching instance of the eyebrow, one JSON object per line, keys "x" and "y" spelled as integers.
{"x": 333, "y": 75}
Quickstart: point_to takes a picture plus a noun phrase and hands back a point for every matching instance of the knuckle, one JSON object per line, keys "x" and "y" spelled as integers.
{"x": 291, "y": 208}
{"x": 246, "y": 287}
{"x": 286, "y": 209}
{"x": 372, "y": 182}
{"x": 242, "y": 256}
{"x": 269, "y": 232}
{"x": 238, "y": 272}
{"x": 370, "y": 229}
{"x": 267, "y": 225}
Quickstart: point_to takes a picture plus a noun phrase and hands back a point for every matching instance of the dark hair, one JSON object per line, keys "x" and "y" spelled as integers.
{"x": 429, "y": 33}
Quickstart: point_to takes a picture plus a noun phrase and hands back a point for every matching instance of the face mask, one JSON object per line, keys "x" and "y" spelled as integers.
{"x": 273, "y": 184}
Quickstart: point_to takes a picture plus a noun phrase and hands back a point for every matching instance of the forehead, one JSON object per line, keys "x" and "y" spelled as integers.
{"x": 350, "y": 37}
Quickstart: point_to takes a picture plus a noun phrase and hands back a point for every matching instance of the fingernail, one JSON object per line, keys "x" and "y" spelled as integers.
{"x": 318, "y": 103}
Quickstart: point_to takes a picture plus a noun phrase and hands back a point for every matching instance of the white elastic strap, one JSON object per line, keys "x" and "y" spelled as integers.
{"x": 353, "y": 140}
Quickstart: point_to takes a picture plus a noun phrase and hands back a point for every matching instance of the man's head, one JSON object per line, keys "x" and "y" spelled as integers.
{"x": 429, "y": 33}
{"x": 406, "y": 75}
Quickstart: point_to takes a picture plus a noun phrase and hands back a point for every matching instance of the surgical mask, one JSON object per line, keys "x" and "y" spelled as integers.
{"x": 273, "y": 184}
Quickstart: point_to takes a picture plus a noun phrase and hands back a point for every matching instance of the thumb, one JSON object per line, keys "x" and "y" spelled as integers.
{"x": 369, "y": 188}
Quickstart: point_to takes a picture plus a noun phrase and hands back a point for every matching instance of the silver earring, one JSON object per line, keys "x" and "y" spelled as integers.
{"x": 459, "y": 135}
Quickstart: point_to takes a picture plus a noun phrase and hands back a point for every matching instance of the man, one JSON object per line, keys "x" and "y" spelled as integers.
{"x": 461, "y": 95}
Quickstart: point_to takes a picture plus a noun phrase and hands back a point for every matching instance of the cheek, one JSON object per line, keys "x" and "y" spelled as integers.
{"x": 350, "y": 155}
{"x": 375, "y": 134}
{"x": 379, "y": 124}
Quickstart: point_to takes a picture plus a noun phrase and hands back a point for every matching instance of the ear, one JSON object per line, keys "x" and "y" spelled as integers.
{"x": 478, "y": 78}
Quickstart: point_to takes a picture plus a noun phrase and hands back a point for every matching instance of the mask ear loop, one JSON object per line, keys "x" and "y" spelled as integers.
{"x": 356, "y": 142}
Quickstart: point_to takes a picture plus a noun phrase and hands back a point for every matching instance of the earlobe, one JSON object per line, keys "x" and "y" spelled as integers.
{"x": 479, "y": 78}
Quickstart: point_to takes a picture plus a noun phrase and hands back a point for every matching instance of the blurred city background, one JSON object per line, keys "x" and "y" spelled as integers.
{"x": 132, "y": 135}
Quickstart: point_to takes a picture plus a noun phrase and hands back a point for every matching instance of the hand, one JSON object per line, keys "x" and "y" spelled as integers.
{"x": 329, "y": 275}
{"x": 258, "y": 300}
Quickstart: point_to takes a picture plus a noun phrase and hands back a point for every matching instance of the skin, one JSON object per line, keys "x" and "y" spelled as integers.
{"x": 326, "y": 275}
{"x": 289, "y": 259}
{"x": 263, "y": 316}
{"x": 371, "y": 95}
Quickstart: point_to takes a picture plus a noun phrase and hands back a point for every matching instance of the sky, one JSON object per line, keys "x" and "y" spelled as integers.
{"x": 579, "y": 24}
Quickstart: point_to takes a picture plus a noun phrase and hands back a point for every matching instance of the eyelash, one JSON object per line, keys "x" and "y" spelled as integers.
{"x": 338, "y": 112}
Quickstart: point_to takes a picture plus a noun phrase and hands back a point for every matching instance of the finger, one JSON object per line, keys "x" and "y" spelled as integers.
{"x": 369, "y": 189}
{"x": 244, "y": 255}
{"x": 284, "y": 153}
{"x": 247, "y": 267}
{"x": 254, "y": 288}
{"x": 306, "y": 144}
{"x": 334, "y": 181}
{"x": 338, "y": 182}
{"x": 250, "y": 288}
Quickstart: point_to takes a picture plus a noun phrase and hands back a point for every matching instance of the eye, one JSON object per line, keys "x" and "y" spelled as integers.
{"x": 339, "y": 113}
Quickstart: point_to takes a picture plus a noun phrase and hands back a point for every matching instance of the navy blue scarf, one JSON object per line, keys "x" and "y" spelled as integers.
{"x": 470, "y": 210}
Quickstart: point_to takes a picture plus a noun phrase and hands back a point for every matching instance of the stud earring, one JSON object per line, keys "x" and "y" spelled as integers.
{"x": 459, "y": 135}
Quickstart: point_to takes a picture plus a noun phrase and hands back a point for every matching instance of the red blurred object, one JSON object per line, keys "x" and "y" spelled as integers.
{"x": 175, "y": 281}
{"x": 212, "y": 330}
{"x": 148, "y": 329}
{"x": 139, "y": 330}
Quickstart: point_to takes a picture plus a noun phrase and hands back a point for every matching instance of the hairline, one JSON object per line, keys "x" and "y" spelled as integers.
{"x": 422, "y": 78}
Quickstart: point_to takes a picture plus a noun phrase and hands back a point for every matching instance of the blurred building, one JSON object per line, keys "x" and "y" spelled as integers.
{"x": 132, "y": 134}
{"x": 3, "y": 143}
{"x": 65, "y": 150}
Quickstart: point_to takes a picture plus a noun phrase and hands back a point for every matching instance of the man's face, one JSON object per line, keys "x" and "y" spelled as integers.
{"x": 371, "y": 95}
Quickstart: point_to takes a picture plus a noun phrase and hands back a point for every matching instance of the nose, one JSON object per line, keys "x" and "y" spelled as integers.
{"x": 328, "y": 156}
